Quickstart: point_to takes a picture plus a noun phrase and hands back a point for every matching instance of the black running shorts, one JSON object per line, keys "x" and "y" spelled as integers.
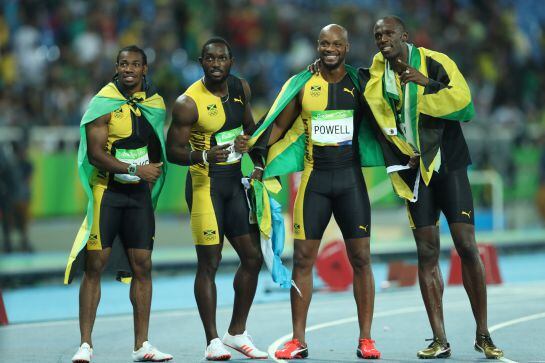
{"x": 127, "y": 213}
{"x": 341, "y": 192}
{"x": 218, "y": 207}
{"x": 449, "y": 193}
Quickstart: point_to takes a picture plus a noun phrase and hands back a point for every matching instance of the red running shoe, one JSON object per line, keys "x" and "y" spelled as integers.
{"x": 367, "y": 350}
{"x": 292, "y": 350}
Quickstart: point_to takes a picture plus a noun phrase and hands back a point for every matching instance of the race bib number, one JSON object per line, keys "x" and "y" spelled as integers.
{"x": 129, "y": 156}
{"x": 332, "y": 128}
{"x": 228, "y": 137}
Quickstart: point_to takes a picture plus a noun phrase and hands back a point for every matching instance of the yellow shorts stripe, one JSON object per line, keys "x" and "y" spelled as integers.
{"x": 94, "y": 243}
{"x": 204, "y": 224}
{"x": 298, "y": 215}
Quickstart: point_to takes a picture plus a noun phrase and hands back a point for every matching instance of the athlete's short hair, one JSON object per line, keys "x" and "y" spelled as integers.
{"x": 215, "y": 40}
{"x": 135, "y": 49}
{"x": 398, "y": 20}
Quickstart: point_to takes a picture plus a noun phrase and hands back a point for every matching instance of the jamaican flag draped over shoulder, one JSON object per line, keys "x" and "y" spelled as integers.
{"x": 419, "y": 125}
{"x": 107, "y": 100}
{"x": 287, "y": 154}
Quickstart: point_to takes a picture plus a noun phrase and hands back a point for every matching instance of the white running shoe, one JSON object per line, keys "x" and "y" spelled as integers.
{"x": 243, "y": 343}
{"x": 216, "y": 351}
{"x": 83, "y": 355}
{"x": 148, "y": 353}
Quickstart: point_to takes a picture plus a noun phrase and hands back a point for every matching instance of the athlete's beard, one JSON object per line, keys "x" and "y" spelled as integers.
{"x": 215, "y": 81}
{"x": 332, "y": 67}
{"x": 124, "y": 88}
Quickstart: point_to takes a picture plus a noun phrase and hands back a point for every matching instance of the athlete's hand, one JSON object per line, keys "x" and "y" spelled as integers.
{"x": 149, "y": 172}
{"x": 414, "y": 161}
{"x": 411, "y": 74}
{"x": 257, "y": 174}
{"x": 218, "y": 154}
{"x": 241, "y": 143}
{"x": 314, "y": 68}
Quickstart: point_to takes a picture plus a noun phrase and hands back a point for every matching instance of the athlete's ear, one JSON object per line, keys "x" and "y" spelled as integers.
{"x": 405, "y": 36}
{"x": 200, "y": 60}
{"x": 145, "y": 69}
{"x": 347, "y": 47}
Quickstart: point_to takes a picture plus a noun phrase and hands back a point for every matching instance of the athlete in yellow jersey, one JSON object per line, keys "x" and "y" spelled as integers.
{"x": 332, "y": 183}
{"x": 440, "y": 86}
{"x": 125, "y": 151}
{"x": 206, "y": 121}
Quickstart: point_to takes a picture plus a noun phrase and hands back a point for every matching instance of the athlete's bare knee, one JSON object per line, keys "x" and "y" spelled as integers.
{"x": 252, "y": 263}
{"x": 467, "y": 250}
{"x": 360, "y": 262}
{"x": 142, "y": 270}
{"x": 209, "y": 266}
{"x": 303, "y": 261}
{"x": 94, "y": 267}
{"x": 428, "y": 253}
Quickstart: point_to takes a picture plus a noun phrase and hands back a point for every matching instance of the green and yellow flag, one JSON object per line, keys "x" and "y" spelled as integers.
{"x": 107, "y": 100}
{"x": 447, "y": 97}
{"x": 286, "y": 155}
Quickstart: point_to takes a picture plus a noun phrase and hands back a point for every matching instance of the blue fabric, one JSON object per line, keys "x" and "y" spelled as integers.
{"x": 280, "y": 273}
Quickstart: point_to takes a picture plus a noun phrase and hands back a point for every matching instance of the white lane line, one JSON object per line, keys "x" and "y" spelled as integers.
{"x": 274, "y": 346}
{"x": 159, "y": 314}
{"x": 507, "y": 360}
{"x": 514, "y": 322}
{"x": 109, "y": 318}
{"x": 176, "y": 313}
{"x": 505, "y": 324}
{"x": 517, "y": 321}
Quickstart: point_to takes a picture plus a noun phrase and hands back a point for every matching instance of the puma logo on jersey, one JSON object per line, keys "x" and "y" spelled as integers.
{"x": 363, "y": 227}
{"x": 239, "y": 100}
{"x": 351, "y": 91}
{"x": 468, "y": 214}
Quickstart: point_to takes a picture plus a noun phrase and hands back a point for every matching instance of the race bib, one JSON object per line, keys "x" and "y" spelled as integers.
{"x": 228, "y": 137}
{"x": 332, "y": 128}
{"x": 130, "y": 156}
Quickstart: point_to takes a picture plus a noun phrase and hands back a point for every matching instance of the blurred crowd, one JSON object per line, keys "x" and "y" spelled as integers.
{"x": 56, "y": 54}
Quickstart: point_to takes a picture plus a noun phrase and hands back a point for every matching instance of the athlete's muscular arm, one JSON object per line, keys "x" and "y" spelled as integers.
{"x": 184, "y": 115}
{"x": 286, "y": 118}
{"x": 249, "y": 127}
{"x": 248, "y": 120}
{"x": 97, "y": 137}
{"x": 241, "y": 142}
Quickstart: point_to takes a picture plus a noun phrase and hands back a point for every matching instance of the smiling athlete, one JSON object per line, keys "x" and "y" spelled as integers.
{"x": 422, "y": 96}
{"x": 120, "y": 161}
{"x": 327, "y": 114}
